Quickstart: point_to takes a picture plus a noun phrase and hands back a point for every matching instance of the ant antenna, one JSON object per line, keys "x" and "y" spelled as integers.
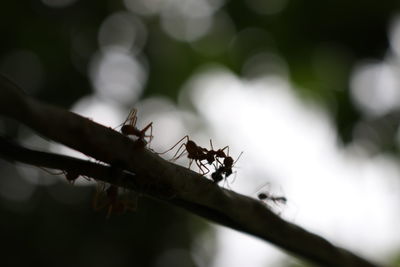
{"x": 131, "y": 117}
{"x": 241, "y": 153}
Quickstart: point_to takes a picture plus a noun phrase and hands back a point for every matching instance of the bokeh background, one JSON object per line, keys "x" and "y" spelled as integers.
{"x": 308, "y": 90}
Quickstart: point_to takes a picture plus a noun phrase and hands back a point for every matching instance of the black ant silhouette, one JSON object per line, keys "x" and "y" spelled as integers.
{"x": 225, "y": 168}
{"x": 265, "y": 196}
{"x": 129, "y": 128}
{"x": 212, "y": 155}
{"x": 195, "y": 153}
{"x": 71, "y": 176}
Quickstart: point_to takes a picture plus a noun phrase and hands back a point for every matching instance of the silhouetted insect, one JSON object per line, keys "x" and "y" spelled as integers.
{"x": 195, "y": 153}
{"x": 265, "y": 196}
{"x": 129, "y": 128}
{"x": 225, "y": 169}
{"x": 212, "y": 155}
{"x": 112, "y": 200}
{"x": 217, "y": 175}
{"x": 71, "y": 176}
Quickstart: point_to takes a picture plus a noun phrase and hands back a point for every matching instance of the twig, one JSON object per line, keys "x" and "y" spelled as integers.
{"x": 164, "y": 180}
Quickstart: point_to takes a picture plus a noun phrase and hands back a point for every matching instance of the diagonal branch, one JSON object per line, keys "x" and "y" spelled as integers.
{"x": 132, "y": 166}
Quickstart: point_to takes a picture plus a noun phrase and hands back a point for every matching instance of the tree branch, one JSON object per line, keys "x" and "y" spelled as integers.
{"x": 131, "y": 166}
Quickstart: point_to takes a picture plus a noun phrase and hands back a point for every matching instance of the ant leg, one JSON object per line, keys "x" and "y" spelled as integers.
{"x": 151, "y": 133}
{"x": 267, "y": 185}
{"x": 144, "y": 130}
{"x": 226, "y": 183}
{"x": 226, "y": 147}
{"x": 220, "y": 163}
{"x": 199, "y": 164}
{"x": 233, "y": 180}
{"x": 175, "y": 157}
{"x": 186, "y": 136}
{"x": 234, "y": 177}
{"x": 208, "y": 170}
{"x": 190, "y": 163}
{"x": 128, "y": 121}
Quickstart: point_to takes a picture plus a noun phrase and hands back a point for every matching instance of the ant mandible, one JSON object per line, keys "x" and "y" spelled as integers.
{"x": 129, "y": 128}
{"x": 195, "y": 153}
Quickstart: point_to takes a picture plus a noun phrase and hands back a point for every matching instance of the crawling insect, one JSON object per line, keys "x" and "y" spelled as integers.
{"x": 70, "y": 175}
{"x": 225, "y": 169}
{"x": 195, "y": 153}
{"x": 129, "y": 128}
{"x": 265, "y": 196}
{"x": 217, "y": 176}
{"x": 110, "y": 199}
{"x": 212, "y": 155}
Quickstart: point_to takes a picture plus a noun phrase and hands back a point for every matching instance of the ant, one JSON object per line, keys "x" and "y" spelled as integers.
{"x": 71, "y": 176}
{"x": 195, "y": 153}
{"x": 265, "y": 196}
{"x": 110, "y": 200}
{"x": 212, "y": 155}
{"x": 129, "y": 128}
{"x": 225, "y": 169}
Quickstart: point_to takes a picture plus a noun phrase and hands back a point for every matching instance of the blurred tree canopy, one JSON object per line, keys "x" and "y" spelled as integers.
{"x": 47, "y": 47}
{"x": 320, "y": 41}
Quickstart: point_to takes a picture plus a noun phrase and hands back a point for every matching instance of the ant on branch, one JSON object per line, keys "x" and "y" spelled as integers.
{"x": 195, "y": 153}
{"x": 110, "y": 199}
{"x": 129, "y": 128}
{"x": 265, "y": 196}
{"x": 225, "y": 168}
{"x": 70, "y": 175}
{"x": 212, "y": 155}
{"x": 198, "y": 154}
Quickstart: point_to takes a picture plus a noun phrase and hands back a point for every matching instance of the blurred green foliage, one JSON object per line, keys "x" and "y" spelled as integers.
{"x": 320, "y": 41}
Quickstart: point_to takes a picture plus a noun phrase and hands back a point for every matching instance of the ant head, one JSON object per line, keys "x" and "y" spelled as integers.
{"x": 125, "y": 129}
{"x": 216, "y": 176}
{"x": 221, "y": 154}
{"x": 262, "y": 196}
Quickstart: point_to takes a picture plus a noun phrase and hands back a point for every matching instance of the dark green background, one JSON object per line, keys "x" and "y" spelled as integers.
{"x": 48, "y": 232}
